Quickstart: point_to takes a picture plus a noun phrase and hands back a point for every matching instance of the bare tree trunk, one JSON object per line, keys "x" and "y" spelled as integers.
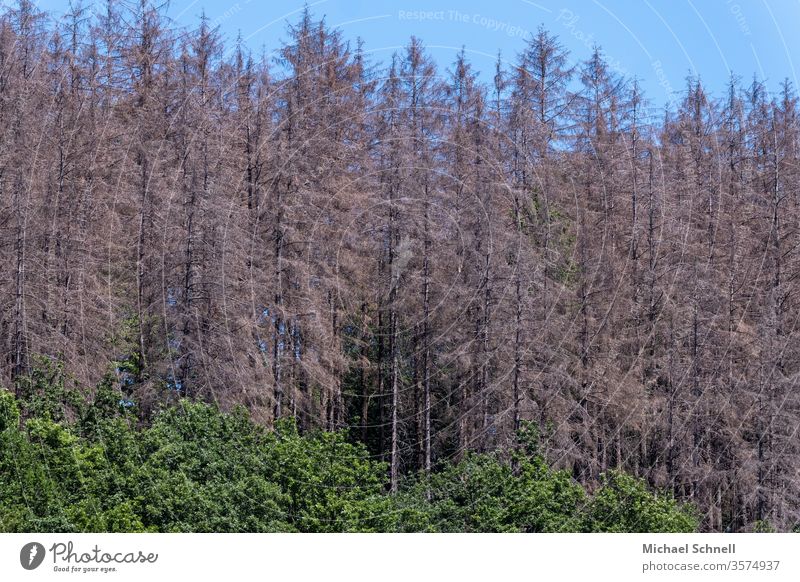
{"x": 394, "y": 473}
{"x": 426, "y": 380}
{"x": 278, "y": 337}
{"x": 140, "y": 257}
{"x": 20, "y": 352}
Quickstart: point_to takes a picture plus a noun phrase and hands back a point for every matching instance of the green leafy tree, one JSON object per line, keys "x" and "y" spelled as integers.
{"x": 332, "y": 485}
{"x": 198, "y": 469}
{"x": 624, "y": 504}
{"x": 9, "y": 411}
{"x": 485, "y": 494}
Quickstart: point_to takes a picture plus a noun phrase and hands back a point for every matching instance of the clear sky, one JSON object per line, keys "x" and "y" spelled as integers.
{"x": 659, "y": 41}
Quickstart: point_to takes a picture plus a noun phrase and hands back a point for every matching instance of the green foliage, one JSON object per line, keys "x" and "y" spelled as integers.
{"x": 197, "y": 469}
{"x": 48, "y": 392}
{"x": 332, "y": 484}
{"x": 201, "y": 470}
{"x": 624, "y": 504}
{"x": 567, "y": 272}
{"x": 125, "y": 340}
{"x": 763, "y": 526}
{"x": 483, "y": 493}
{"x": 9, "y": 411}
{"x": 194, "y": 469}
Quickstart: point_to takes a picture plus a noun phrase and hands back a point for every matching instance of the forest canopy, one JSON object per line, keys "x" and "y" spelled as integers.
{"x": 196, "y": 469}
{"x": 404, "y": 267}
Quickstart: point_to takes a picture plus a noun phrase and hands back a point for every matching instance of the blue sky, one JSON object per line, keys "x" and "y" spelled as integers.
{"x": 659, "y": 41}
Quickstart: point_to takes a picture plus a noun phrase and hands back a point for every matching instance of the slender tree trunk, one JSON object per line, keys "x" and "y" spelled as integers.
{"x": 395, "y": 451}
{"x": 20, "y": 351}
{"x": 140, "y": 258}
{"x": 278, "y": 337}
{"x": 426, "y": 380}
{"x": 362, "y": 376}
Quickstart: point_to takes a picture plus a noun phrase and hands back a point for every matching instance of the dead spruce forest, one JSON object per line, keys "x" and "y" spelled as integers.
{"x": 421, "y": 255}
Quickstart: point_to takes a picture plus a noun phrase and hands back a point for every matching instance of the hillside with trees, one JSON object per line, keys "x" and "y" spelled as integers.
{"x": 307, "y": 291}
